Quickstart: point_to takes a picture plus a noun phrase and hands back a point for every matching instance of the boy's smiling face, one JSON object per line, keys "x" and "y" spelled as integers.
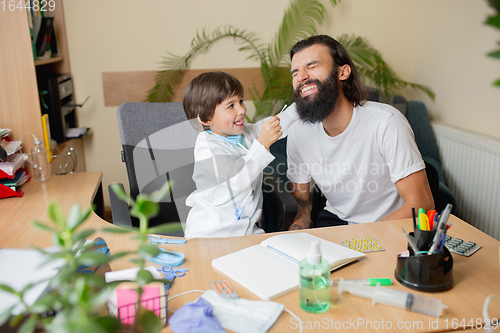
{"x": 229, "y": 117}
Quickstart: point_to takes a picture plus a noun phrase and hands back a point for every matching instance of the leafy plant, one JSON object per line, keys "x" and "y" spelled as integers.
{"x": 77, "y": 303}
{"x": 494, "y": 21}
{"x": 300, "y": 21}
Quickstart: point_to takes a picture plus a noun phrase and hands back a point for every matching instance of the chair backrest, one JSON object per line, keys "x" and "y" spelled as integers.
{"x": 158, "y": 146}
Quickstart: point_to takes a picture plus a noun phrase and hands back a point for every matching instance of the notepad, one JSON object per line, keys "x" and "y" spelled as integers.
{"x": 21, "y": 267}
{"x": 271, "y": 268}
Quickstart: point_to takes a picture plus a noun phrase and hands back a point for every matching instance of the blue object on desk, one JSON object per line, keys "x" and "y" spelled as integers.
{"x": 166, "y": 258}
{"x": 175, "y": 271}
{"x": 171, "y": 273}
{"x": 153, "y": 240}
{"x": 99, "y": 246}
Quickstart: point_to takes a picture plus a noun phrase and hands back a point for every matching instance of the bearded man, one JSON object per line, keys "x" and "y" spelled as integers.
{"x": 362, "y": 155}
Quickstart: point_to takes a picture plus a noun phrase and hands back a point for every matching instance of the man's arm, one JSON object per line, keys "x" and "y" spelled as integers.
{"x": 303, "y": 218}
{"x": 415, "y": 191}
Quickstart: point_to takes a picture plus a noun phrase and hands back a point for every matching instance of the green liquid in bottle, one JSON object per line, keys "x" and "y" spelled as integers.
{"x": 314, "y": 293}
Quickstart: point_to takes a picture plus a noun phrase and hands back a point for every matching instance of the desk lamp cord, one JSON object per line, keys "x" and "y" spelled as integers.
{"x": 202, "y": 291}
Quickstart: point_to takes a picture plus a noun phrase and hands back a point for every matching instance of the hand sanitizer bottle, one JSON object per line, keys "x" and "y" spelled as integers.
{"x": 314, "y": 289}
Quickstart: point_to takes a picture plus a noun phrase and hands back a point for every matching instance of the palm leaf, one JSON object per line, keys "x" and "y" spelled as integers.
{"x": 173, "y": 67}
{"x": 300, "y": 21}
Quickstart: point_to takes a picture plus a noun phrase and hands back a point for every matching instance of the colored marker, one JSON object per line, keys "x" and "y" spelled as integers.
{"x": 420, "y": 211}
{"x": 424, "y": 222}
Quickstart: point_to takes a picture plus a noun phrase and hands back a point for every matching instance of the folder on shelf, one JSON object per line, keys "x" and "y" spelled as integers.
{"x": 14, "y": 162}
{"x": 19, "y": 179}
{"x": 11, "y": 187}
{"x": 46, "y": 36}
{"x": 46, "y": 135}
{"x": 30, "y": 23}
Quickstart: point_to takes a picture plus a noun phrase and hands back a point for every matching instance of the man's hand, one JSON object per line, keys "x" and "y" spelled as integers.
{"x": 303, "y": 218}
{"x": 270, "y": 132}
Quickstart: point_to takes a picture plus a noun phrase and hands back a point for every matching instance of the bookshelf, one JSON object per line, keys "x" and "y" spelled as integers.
{"x": 19, "y": 102}
{"x": 48, "y": 61}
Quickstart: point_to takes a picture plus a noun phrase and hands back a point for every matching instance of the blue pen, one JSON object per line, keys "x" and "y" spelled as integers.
{"x": 443, "y": 240}
{"x": 283, "y": 254}
{"x": 436, "y": 221}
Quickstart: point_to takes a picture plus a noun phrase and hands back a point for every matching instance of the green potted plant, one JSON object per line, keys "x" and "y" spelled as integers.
{"x": 494, "y": 21}
{"x": 300, "y": 21}
{"x": 77, "y": 300}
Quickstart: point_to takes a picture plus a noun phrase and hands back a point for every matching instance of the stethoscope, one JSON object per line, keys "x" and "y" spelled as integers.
{"x": 238, "y": 210}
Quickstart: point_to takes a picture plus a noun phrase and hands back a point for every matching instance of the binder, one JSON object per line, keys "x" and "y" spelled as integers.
{"x": 7, "y": 192}
{"x": 46, "y": 135}
{"x": 46, "y": 37}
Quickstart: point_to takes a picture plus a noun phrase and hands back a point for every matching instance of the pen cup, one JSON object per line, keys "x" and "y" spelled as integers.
{"x": 423, "y": 239}
{"x": 431, "y": 273}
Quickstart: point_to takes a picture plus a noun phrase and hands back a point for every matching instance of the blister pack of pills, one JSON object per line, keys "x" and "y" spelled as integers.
{"x": 363, "y": 245}
{"x": 459, "y": 246}
{"x": 223, "y": 289}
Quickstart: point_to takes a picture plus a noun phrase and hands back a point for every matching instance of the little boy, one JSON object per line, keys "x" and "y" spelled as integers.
{"x": 229, "y": 158}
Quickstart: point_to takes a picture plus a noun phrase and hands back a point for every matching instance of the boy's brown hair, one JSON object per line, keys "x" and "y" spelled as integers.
{"x": 208, "y": 90}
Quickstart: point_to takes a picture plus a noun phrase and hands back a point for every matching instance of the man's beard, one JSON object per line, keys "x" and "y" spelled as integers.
{"x": 314, "y": 109}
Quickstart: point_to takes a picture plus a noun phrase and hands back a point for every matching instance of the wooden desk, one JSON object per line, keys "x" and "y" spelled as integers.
{"x": 475, "y": 277}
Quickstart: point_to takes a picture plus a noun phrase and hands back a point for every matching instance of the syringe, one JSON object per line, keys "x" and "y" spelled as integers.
{"x": 412, "y": 302}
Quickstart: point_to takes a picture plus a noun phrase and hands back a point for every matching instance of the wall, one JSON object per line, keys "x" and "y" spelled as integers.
{"x": 132, "y": 35}
{"x": 451, "y": 43}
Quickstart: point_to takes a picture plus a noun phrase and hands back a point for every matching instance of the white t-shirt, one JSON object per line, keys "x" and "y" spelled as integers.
{"x": 357, "y": 169}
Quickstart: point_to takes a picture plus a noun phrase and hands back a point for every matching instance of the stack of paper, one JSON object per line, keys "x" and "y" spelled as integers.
{"x": 4, "y": 132}
{"x": 76, "y": 132}
{"x": 12, "y": 147}
{"x": 21, "y": 267}
{"x": 14, "y": 162}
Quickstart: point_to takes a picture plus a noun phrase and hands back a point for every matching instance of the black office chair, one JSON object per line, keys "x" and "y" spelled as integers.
{"x": 158, "y": 146}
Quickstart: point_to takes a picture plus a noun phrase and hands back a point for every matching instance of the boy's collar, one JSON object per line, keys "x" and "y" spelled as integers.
{"x": 234, "y": 139}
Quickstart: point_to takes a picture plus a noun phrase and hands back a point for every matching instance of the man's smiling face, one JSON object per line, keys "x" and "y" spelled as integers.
{"x": 315, "y": 83}
{"x": 310, "y": 66}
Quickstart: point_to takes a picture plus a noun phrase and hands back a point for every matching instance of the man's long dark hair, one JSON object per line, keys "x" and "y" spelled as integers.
{"x": 354, "y": 89}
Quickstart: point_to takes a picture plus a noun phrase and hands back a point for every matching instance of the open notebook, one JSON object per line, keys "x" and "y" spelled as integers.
{"x": 271, "y": 268}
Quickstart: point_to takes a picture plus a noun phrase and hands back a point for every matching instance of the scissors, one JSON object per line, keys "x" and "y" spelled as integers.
{"x": 172, "y": 273}
{"x": 175, "y": 271}
{"x": 153, "y": 239}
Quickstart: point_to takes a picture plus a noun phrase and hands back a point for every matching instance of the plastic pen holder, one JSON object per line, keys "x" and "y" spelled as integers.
{"x": 423, "y": 271}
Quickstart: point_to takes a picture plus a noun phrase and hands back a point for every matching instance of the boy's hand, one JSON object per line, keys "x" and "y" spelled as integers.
{"x": 270, "y": 132}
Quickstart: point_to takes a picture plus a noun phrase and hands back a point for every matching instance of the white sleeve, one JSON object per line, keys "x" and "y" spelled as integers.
{"x": 297, "y": 170}
{"x": 288, "y": 117}
{"x": 399, "y": 148}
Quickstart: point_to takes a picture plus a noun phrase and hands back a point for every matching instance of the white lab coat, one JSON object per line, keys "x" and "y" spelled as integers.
{"x": 228, "y": 177}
